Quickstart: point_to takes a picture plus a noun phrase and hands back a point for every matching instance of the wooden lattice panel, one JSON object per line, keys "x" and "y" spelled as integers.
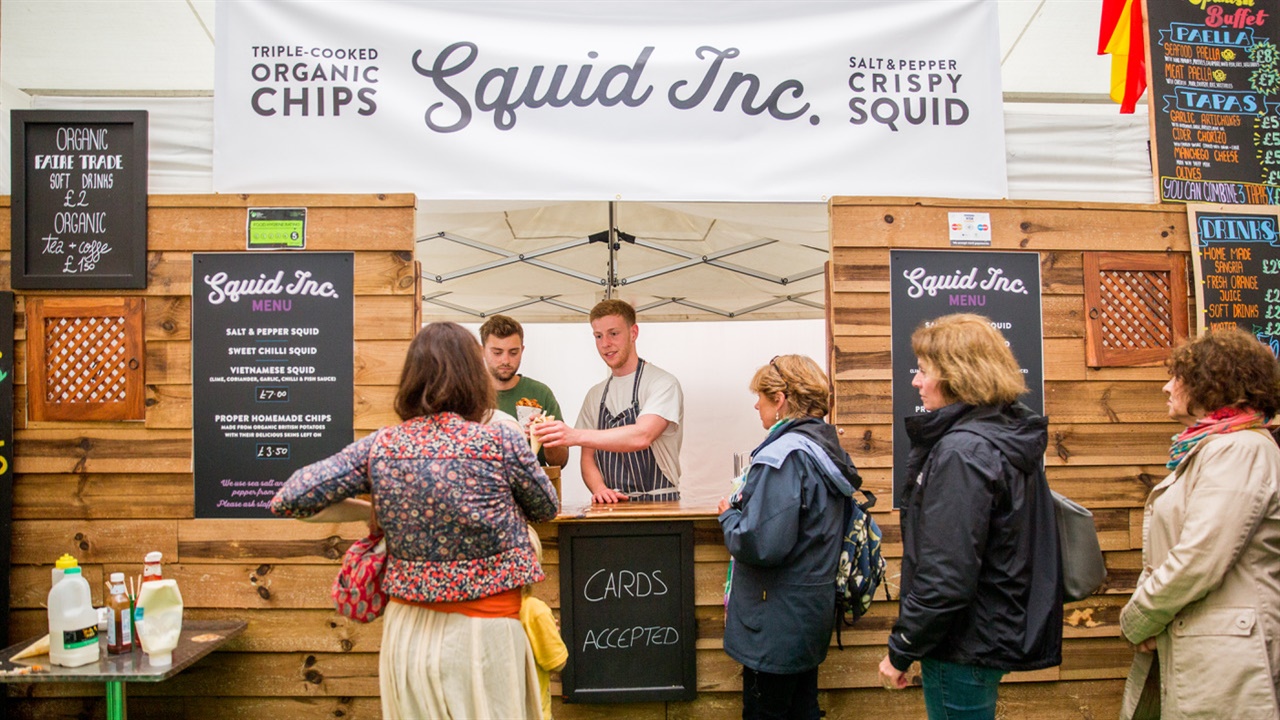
{"x": 1137, "y": 307}
{"x": 86, "y": 359}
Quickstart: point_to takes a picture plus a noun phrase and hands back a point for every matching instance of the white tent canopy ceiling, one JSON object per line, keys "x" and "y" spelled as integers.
{"x": 676, "y": 261}
{"x": 1063, "y": 141}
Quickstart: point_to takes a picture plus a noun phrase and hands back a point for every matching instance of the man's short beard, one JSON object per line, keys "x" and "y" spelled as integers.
{"x": 497, "y": 374}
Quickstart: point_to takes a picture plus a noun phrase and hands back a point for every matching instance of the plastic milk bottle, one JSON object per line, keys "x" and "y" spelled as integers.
{"x": 73, "y": 623}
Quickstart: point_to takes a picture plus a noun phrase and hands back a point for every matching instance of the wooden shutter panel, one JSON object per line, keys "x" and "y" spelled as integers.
{"x": 85, "y": 358}
{"x": 1136, "y": 307}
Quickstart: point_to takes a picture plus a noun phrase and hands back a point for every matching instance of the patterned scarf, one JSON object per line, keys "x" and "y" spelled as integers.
{"x": 1219, "y": 422}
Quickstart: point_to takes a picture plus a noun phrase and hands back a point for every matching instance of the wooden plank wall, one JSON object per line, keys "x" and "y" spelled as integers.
{"x": 1109, "y": 438}
{"x": 849, "y": 686}
{"x": 1108, "y": 431}
{"x": 108, "y": 492}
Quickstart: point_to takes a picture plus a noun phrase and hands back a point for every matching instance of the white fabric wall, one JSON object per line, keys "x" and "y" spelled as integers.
{"x": 1085, "y": 152}
{"x": 714, "y": 361}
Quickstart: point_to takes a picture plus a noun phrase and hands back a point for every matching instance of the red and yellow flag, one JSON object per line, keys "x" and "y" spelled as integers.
{"x": 1120, "y": 35}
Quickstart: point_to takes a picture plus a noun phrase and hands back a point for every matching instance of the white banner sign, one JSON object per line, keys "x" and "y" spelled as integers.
{"x": 651, "y": 101}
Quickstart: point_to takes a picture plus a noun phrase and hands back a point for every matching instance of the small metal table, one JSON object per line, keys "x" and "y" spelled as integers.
{"x": 116, "y": 670}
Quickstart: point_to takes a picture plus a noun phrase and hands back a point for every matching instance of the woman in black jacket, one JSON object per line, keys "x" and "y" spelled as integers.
{"x": 783, "y": 529}
{"x": 981, "y": 590}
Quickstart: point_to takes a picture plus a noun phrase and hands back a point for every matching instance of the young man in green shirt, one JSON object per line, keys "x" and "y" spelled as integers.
{"x": 503, "y": 341}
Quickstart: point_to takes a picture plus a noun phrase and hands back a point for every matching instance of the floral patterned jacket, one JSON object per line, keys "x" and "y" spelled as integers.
{"x": 454, "y": 498}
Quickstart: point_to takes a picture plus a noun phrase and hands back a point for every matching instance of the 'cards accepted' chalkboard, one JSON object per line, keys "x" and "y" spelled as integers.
{"x": 271, "y": 376}
{"x": 1237, "y": 268}
{"x": 927, "y": 284}
{"x": 79, "y": 216}
{"x": 626, "y": 611}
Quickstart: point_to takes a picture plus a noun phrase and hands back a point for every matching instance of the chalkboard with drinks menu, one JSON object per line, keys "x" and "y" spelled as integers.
{"x": 79, "y": 216}
{"x": 1237, "y": 268}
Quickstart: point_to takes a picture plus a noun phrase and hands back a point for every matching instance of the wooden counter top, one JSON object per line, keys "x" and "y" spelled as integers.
{"x": 683, "y": 509}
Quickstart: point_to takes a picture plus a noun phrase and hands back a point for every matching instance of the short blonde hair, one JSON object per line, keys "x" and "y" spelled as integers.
{"x": 971, "y": 359}
{"x": 799, "y": 378}
{"x": 536, "y": 542}
{"x": 621, "y": 308}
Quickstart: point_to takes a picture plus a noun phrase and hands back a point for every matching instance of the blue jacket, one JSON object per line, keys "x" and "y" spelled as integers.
{"x": 784, "y": 534}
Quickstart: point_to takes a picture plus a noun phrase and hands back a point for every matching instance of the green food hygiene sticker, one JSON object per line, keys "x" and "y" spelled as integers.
{"x": 272, "y": 228}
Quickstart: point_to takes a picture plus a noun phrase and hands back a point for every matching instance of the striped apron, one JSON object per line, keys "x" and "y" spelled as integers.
{"x": 634, "y": 473}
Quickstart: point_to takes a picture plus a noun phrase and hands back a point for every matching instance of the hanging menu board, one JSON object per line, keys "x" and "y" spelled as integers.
{"x": 626, "y": 611}
{"x": 1215, "y": 100}
{"x": 272, "y": 377}
{"x": 927, "y": 284}
{"x": 1237, "y": 268}
{"x": 6, "y": 454}
{"x": 79, "y": 216}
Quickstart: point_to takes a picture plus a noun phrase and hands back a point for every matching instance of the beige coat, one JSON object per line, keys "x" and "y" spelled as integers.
{"x": 1210, "y": 589}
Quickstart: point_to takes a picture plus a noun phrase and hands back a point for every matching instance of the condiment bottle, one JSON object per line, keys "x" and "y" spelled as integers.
{"x": 150, "y": 572}
{"x": 73, "y": 623}
{"x": 151, "y": 566}
{"x": 162, "y": 602}
{"x": 120, "y": 626}
{"x": 60, "y": 567}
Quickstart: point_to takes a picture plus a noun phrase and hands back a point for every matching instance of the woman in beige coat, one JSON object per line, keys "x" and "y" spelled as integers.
{"x": 1205, "y": 619}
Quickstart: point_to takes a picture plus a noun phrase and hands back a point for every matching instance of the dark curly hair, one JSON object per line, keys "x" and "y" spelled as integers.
{"x": 1227, "y": 367}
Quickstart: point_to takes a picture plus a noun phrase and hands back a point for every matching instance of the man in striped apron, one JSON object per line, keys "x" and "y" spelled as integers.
{"x": 631, "y": 425}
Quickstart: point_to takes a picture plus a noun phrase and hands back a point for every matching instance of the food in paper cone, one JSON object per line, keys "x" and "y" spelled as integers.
{"x": 538, "y": 420}
{"x": 525, "y": 415}
{"x": 35, "y": 649}
{"x": 526, "y": 410}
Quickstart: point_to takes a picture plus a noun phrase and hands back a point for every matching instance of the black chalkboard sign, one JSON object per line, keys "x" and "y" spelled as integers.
{"x": 1237, "y": 269}
{"x": 1215, "y": 101}
{"x": 272, "y": 372}
{"x": 79, "y": 216}
{"x": 927, "y": 284}
{"x": 626, "y": 611}
{"x": 6, "y": 454}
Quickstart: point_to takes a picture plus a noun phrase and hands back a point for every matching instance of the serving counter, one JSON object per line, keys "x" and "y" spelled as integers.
{"x": 639, "y": 587}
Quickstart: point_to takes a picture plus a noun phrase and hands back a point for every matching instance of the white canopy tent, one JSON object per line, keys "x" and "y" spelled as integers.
{"x": 1064, "y": 141}
{"x": 689, "y": 261}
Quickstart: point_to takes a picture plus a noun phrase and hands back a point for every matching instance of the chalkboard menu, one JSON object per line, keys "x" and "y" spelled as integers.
{"x": 927, "y": 284}
{"x": 1237, "y": 268}
{"x": 1215, "y": 101}
{"x": 272, "y": 377}
{"x": 6, "y": 454}
{"x": 626, "y": 611}
{"x": 79, "y": 216}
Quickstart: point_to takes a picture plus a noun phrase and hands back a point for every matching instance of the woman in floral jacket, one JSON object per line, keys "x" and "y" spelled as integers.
{"x": 453, "y": 496}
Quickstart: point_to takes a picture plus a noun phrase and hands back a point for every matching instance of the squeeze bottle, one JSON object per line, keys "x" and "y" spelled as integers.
{"x": 151, "y": 566}
{"x": 73, "y": 623}
{"x": 160, "y": 603}
{"x": 151, "y": 570}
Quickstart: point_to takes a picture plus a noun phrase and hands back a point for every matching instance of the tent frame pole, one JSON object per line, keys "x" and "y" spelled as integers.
{"x": 611, "y": 281}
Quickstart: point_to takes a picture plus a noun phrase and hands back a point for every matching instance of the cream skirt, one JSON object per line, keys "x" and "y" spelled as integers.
{"x": 448, "y": 665}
